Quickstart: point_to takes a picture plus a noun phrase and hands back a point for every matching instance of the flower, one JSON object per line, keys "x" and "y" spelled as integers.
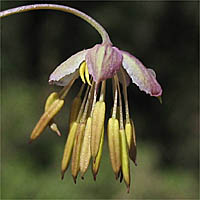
{"x": 87, "y": 116}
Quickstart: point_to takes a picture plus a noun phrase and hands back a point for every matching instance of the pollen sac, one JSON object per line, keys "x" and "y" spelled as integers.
{"x": 98, "y": 118}
{"x": 96, "y": 162}
{"x": 131, "y": 140}
{"x": 114, "y": 145}
{"x": 85, "y": 149}
{"x": 103, "y": 61}
{"x": 125, "y": 159}
{"x": 75, "y": 165}
{"x": 75, "y": 107}
{"x": 68, "y": 148}
{"x": 52, "y": 97}
{"x": 46, "y": 118}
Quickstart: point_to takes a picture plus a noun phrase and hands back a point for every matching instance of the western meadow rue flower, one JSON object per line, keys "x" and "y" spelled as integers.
{"x": 87, "y": 116}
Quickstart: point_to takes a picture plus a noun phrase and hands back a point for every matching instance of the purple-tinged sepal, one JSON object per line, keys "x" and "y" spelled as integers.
{"x": 67, "y": 70}
{"x": 103, "y": 61}
{"x": 144, "y": 78}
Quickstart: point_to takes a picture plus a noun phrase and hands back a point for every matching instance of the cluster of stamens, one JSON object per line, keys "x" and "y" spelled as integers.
{"x": 86, "y": 127}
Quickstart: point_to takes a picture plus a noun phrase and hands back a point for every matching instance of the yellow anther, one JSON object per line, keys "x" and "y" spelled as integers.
{"x": 131, "y": 140}
{"x": 82, "y": 71}
{"x": 87, "y": 76}
{"x": 51, "y": 98}
{"x": 96, "y": 162}
{"x": 98, "y": 118}
{"x": 75, "y": 164}
{"x": 48, "y": 115}
{"x": 68, "y": 148}
{"x": 85, "y": 149}
{"x": 114, "y": 145}
{"x": 125, "y": 159}
{"x": 75, "y": 107}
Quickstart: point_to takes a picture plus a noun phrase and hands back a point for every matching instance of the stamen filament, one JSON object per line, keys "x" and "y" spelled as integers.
{"x": 87, "y": 104}
{"x": 120, "y": 105}
{"x": 103, "y": 91}
{"x": 82, "y": 105}
{"x": 65, "y": 90}
{"x": 125, "y": 97}
{"x": 94, "y": 99}
{"x": 114, "y": 112}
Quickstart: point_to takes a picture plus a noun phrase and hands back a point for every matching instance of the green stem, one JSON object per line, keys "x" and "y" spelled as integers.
{"x": 67, "y": 9}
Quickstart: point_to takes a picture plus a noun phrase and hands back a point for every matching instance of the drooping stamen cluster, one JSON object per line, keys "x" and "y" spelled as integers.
{"x": 81, "y": 144}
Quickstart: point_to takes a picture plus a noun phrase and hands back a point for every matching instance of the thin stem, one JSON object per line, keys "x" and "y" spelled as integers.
{"x": 114, "y": 113}
{"x": 62, "y": 8}
{"x": 125, "y": 96}
{"x": 103, "y": 91}
{"x": 121, "y": 123}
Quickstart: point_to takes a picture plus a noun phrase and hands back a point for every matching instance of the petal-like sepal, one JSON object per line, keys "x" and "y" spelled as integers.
{"x": 144, "y": 78}
{"x": 64, "y": 73}
{"x": 103, "y": 61}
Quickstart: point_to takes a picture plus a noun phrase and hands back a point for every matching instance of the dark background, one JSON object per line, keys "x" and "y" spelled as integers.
{"x": 164, "y": 36}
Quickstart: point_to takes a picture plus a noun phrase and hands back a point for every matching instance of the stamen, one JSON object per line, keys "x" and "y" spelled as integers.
{"x": 65, "y": 90}
{"x": 94, "y": 99}
{"x": 75, "y": 106}
{"x": 87, "y": 76}
{"x": 82, "y": 71}
{"x": 103, "y": 91}
{"x": 87, "y": 104}
{"x": 120, "y": 105}
{"x": 125, "y": 96}
{"x": 114, "y": 112}
{"x": 82, "y": 105}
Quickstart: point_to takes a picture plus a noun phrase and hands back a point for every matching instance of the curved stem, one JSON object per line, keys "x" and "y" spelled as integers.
{"x": 62, "y": 8}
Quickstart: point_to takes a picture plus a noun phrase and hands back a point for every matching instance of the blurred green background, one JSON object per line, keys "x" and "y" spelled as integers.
{"x": 164, "y": 36}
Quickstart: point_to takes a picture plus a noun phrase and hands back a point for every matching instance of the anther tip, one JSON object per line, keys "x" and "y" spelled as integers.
{"x": 62, "y": 176}
{"x": 74, "y": 178}
{"x": 128, "y": 189}
{"x": 94, "y": 175}
{"x": 82, "y": 177}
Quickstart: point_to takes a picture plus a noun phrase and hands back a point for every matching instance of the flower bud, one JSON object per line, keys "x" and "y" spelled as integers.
{"x": 114, "y": 145}
{"x": 98, "y": 118}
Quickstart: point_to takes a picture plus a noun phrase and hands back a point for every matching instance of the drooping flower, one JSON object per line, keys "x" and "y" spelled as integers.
{"x": 87, "y": 117}
{"x": 96, "y": 65}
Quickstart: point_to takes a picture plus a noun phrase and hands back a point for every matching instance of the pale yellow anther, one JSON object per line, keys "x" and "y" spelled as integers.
{"x": 82, "y": 71}
{"x": 96, "y": 162}
{"x": 68, "y": 148}
{"x": 87, "y": 76}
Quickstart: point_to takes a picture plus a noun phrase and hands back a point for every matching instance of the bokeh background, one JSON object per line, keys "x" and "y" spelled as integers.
{"x": 164, "y": 36}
